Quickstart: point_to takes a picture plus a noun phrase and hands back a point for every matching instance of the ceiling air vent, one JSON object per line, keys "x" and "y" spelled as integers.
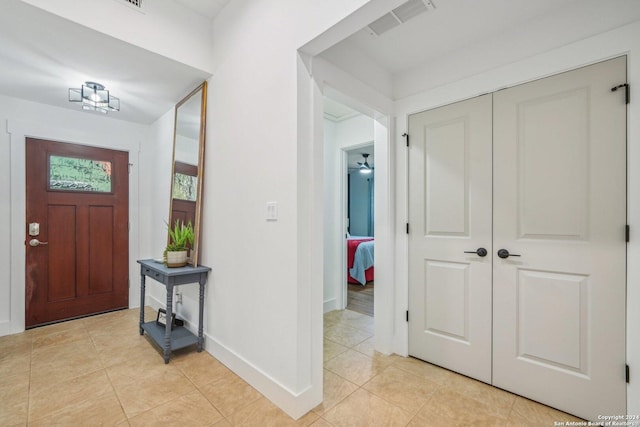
{"x": 133, "y": 4}
{"x": 400, "y": 15}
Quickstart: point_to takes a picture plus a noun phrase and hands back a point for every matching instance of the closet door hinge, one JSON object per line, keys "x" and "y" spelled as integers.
{"x": 408, "y": 320}
{"x": 406, "y": 136}
{"x": 627, "y": 95}
{"x": 407, "y": 228}
{"x": 626, "y": 373}
{"x": 627, "y": 233}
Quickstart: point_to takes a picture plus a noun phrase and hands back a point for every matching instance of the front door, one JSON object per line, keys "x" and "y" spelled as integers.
{"x": 556, "y": 242}
{"x": 77, "y": 206}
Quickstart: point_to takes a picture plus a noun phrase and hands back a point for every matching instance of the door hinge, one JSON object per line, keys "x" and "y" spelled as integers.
{"x": 627, "y": 94}
{"x": 407, "y": 315}
{"x": 407, "y": 228}
{"x": 627, "y": 233}
{"x": 406, "y": 136}
{"x": 626, "y": 373}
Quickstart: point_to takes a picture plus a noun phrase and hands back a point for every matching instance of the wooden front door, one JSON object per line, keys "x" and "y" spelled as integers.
{"x": 76, "y": 236}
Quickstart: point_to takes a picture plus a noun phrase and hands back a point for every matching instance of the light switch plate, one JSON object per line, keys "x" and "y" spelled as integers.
{"x": 272, "y": 211}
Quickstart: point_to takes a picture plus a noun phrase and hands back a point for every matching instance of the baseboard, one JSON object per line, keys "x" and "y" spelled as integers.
{"x": 330, "y": 305}
{"x": 294, "y": 404}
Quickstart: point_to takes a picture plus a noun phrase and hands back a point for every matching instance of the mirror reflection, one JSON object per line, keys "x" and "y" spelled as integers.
{"x": 188, "y": 156}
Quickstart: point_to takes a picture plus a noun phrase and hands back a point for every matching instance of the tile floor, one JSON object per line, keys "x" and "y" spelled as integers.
{"x": 90, "y": 372}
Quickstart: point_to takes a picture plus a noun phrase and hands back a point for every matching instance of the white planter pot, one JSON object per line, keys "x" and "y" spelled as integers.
{"x": 177, "y": 259}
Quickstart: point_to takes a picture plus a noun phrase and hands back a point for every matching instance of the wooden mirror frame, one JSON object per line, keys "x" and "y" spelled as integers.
{"x": 178, "y": 208}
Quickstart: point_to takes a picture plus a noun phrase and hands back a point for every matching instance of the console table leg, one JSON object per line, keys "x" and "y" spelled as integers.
{"x": 142, "y": 286}
{"x": 200, "y": 317}
{"x": 167, "y": 328}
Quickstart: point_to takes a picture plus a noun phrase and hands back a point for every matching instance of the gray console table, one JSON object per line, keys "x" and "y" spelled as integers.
{"x": 166, "y": 337}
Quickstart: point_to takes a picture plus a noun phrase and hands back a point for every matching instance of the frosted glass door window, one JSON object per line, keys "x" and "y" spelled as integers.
{"x": 77, "y": 174}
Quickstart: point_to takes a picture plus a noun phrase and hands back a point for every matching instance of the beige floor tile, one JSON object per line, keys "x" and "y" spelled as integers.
{"x": 229, "y": 393}
{"x": 131, "y": 347}
{"x": 366, "y": 323}
{"x": 129, "y": 371}
{"x": 321, "y": 422}
{"x": 223, "y": 423}
{"x": 101, "y": 411}
{"x": 55, "y": 363}
{"x": 16, "y": 343}
{"x": 367, "y": 348}
{"x": 447, "y": 408}
{"x": 56, "y": 399}
{"x": 498, "y": 402}
{"x": 338, "y": 316}
{"x": 60, "y": 337}
{"x": 365, "y": 409}
{"x": 143, "y": 387}
{"x": 55, "y": 328}
{"x": 355, "y": 367}
{"x": 346, "y": 335}
{"x": 201, "y": 368}
{"x": 405, "y": 390}
{"x": 335, "y": 389}
{"x": 263, "y": 413}
{"x": 423, "y": 369}
{"x": 14, "y": 398}
{"x": 529, "y": 413}
{"x": 18, "y": 361}
{"x": 192, "y": 409}
{"x": 332, "y": 349}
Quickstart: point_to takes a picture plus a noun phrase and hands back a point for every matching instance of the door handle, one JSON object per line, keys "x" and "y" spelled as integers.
{"x": 503, "y": 253}
{"x": 481, "y": 252}
{"x": 36, "y": 242}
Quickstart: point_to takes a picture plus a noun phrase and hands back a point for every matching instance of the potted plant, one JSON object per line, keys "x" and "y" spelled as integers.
{"x": 180, "y": 239}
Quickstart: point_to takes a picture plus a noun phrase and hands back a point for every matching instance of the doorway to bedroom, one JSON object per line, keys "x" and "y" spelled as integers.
{"x": 360, "y": 229}
{"x": 349, "y": 174}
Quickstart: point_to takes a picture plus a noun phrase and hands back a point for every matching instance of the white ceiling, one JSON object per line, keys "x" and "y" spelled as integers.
{"x": 42, "y": 55}
{"x": 434, "y": 47}
{"x": 337, "y": 112}
{"x": 208, "y": 8}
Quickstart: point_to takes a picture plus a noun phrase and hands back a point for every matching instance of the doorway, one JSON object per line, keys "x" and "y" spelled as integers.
{"x": 511, "y": 251}
{"x": 77, "y": 204}
{"x": 360, "y": 240}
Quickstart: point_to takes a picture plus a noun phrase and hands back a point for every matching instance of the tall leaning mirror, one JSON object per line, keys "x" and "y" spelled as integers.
{"x": 188, "y": 164}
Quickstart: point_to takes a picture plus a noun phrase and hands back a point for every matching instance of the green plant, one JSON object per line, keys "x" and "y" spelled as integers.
{"x": 179, "y": 236}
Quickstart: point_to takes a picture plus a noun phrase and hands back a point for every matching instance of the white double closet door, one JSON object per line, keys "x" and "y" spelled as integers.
{"x": 538, "y": 170}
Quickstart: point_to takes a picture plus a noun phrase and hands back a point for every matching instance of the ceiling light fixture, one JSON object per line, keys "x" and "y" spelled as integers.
{"x": 94, "y": 97}
{"x": 364, "y": 166}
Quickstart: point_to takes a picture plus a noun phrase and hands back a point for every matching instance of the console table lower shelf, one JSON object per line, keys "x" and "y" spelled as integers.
{"x": 181, "y": 337}
{"x": 163, "y": 335}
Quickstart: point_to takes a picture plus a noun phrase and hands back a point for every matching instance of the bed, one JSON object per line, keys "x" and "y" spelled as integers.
{"x": 360, "y": 257}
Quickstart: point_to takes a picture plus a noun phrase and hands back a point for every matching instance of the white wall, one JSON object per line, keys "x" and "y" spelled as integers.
{"x": 20, "y": 119}
{"x": 625, "y": 40}
{"x": 260, "y": 299}
{"x": 360, "y": 203}
{"x": 338, "y": 137}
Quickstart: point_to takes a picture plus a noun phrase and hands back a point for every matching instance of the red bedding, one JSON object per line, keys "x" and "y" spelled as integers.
{"x": 352, "y": 245}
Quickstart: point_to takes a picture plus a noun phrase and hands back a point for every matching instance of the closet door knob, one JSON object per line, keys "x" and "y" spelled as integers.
{"x": 503, "y": 253}
{"x": 481, "y": 252}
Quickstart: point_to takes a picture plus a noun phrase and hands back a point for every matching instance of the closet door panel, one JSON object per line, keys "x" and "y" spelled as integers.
{"x": 560, "y": 204}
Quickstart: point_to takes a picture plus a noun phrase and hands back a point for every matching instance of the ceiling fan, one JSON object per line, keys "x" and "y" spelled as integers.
{"x": 364, "y": 166}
